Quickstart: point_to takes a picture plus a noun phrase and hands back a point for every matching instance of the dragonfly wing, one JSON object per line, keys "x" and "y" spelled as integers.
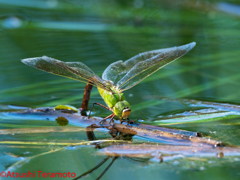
{"x": 115, "y": 71}
{"x": 143, "y": 65}
{"x": 73, "y": 70}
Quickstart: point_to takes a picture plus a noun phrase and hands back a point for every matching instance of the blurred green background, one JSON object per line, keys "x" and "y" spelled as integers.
{"x": 98, "y": 33}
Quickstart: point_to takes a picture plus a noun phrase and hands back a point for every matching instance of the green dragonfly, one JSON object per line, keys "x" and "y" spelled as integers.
{"x": 117, "y": 77}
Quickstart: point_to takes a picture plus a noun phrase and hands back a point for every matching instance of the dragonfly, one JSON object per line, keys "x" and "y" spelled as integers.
{"x": 116, "y": 78}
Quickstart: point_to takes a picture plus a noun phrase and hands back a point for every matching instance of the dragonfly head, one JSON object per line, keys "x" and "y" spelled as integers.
{"x": 122, "y": 109}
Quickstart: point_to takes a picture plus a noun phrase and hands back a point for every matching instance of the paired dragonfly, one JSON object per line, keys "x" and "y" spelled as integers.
{"x": 117, "y": 77}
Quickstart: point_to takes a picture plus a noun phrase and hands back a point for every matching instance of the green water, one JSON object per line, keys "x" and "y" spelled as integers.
{"x": 98, "y": 33}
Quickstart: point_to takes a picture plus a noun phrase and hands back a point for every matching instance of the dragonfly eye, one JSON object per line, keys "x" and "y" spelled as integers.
{"x": 126, "y": 112}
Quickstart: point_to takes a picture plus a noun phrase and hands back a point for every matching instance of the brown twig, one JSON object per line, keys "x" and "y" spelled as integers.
{"x": 86, "y": 97}
{"x": 167, "y": 135}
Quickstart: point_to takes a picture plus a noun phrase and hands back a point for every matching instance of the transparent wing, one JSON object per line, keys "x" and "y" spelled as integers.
{"x": 73, "y": 70}
{"x": 129, "y": 73}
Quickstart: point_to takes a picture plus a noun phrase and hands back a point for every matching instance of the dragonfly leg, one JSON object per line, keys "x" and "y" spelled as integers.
{"x": 129, "y": 121}
{"x": 111, "y": 120}
{"x": 93, "y": 169}
{"x": 103, "y": 106}
{"x": 110, "y": 116}
{"x": 113, "y": 132}
{"x": 114, "y": 158}
{"x": 99, "y": 105}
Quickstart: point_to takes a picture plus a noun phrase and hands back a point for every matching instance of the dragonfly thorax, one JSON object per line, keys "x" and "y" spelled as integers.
{"x": 122, "y": 109}
{"x": 116, "y": 101}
